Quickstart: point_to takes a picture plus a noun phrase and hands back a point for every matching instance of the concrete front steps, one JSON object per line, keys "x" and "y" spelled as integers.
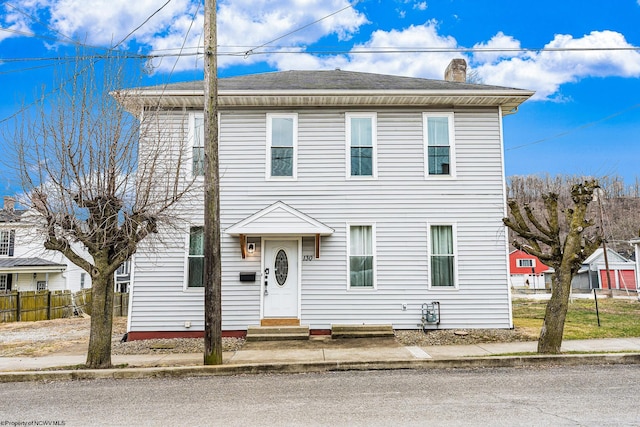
{"x": 361, "y": 331}
{"x": 280, "y": 333}
{"x": 277, "y": 333}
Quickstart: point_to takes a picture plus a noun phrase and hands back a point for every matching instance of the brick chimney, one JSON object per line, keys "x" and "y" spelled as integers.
{"x": 456, "y": 71}
{"x": 9, "y": 203}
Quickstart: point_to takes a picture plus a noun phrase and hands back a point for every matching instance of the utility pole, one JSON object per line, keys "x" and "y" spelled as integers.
{"x": 212, "y": 265}
{"x": 599, "y": 195}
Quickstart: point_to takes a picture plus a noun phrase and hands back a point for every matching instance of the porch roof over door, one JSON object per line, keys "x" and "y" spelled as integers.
{"x": 279, "y": 219}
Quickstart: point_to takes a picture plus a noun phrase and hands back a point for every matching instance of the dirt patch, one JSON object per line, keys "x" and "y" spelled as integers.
{"x": 51, "y": 336}
{"x": 71, "y": 336}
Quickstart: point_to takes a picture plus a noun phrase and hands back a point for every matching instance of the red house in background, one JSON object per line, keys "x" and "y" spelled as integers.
{"x": 526, "y": 270}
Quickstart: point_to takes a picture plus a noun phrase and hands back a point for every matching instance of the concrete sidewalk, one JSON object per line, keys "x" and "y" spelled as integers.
{"x": 321, "y": 355}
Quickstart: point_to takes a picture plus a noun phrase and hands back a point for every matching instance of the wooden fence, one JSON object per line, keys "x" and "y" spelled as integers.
{"x": 120, "y": 302}
{"x": 45, "y": 305}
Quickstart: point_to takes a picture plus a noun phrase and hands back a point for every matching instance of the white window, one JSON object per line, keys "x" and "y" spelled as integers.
{"x": 361, "y": 144}
{"x": 526, "y": 262}
{"x": 41, "y": 285}
{"x": 442, "y": 261}
{"x": 124, "y": 269}
{"x": 197, "y": 145}
{"x": 7, "y": 242}
{"x": 83, "y": 277}
{"x": 4, "y": 282}
{"x": 195, "y": 266}
{"x": 361, "y": 244}
{"x": 282, "y": 145}
{"x": 439, "y": 144}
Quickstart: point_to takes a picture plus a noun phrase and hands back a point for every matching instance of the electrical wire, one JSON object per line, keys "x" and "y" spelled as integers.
{"x": 585, "y": 126}
{"x": 250, "y": 51}
{"x": 141, "y": 25}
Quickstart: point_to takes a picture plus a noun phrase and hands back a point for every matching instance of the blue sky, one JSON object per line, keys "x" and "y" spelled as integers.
{"x": 578, "y": 55}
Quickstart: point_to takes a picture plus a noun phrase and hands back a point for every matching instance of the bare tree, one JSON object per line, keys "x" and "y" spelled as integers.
{"x": 621, "y": 203}
{"x": 543, "y": 237}
{"x": 98, "y": 192}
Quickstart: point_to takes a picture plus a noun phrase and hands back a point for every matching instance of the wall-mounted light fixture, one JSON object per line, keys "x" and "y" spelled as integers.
{"x": 251, "y": 248}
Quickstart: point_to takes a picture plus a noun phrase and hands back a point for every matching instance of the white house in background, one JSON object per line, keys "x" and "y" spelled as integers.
{"x": 593, "y": 274}
{"x": 346, "y": 198}
{"x": 25, "y": 265}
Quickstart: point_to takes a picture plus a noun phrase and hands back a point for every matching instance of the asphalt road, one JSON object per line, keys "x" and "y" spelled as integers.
{"x": 541, "y": 396}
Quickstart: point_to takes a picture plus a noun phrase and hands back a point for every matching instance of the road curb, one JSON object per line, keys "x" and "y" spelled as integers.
{"x": 308, "y": 367}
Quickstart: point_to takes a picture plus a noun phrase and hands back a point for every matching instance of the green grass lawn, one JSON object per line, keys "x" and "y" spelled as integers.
{"x": 618, "y": 318}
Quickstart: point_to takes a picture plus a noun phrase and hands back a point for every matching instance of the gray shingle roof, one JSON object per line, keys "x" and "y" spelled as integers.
{"x": 11, "y": 216}
{"x": 27, "y": 262}
{"x": 325, "y": 80}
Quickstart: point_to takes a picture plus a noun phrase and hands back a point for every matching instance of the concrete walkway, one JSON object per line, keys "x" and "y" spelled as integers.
{"x": 322, "y": 355}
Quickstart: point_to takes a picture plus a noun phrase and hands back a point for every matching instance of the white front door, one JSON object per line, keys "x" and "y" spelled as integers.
{"x": 281, "y": 278}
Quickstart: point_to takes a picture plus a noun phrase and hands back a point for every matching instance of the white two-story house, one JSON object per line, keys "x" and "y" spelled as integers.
{"x": 25, "y": 265}
{"x": 345, "y": 198}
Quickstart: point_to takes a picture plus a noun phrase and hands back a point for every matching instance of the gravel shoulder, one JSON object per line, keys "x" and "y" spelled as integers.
{"x": 60, "y": 336}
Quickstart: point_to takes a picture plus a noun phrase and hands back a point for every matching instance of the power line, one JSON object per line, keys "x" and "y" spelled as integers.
{"x": 131, "y": 55}
{"x": 587, "y": 125}
{"x": 140, "y": 26}
{"x": 250, "y": 51}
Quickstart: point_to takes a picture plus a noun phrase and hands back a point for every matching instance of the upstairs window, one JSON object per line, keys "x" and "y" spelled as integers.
{"x": 197, "y": 149}
{"x": 442, "y": 259}
{"x": 361, "y": 144}
{"x": 438, "y": 135}
{"x": 361, "y": 258}
{"x": 282, "y": 141}
{"x": 7, "y": 242}
{"x": 526, "y": 263}
{"x": 196, "y": 258}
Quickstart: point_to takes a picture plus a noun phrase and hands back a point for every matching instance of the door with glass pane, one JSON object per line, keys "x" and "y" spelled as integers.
{"x": 280, "y": 284}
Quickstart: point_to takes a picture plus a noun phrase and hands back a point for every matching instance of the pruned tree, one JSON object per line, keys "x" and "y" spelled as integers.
{"x": 98, "y": 192}
{"x": 542, "y": 236}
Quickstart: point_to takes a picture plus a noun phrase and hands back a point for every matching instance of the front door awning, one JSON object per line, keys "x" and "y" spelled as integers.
{"x": 279, "y": 219}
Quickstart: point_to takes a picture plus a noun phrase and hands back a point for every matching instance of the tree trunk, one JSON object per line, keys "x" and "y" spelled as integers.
{"x": 550, "y": 340}
{"x": 99, "y": 353}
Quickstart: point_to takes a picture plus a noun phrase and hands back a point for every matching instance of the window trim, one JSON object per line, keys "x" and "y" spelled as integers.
{"x": 186, "y": 287}
{"x": 452, "y": 139}
{"x": 192, "y": 138}
{"x": 454, "y": 231}
{"x": 374, "y": 255}
{"x": 10, "y": 244}
{"x": 268, "y": 146}
{"x": 519, "y": 263}
{"x": 374, "y": 143}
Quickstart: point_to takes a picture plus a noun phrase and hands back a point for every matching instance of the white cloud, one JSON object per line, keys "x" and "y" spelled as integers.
{"x": 499, "y": 41}
{"x": 547, "y": 70}
{"x": 429, "y": 65}
{"x": 423, "y": 5}
{"x": 246, "y": 25}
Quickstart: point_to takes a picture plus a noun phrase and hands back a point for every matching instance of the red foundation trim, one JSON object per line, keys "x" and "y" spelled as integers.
{"x": 149, "y": 335}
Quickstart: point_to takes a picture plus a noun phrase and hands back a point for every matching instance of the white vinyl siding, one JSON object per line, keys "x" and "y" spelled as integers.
{"x": 282, "y": 146}
{"x": 401, "y": 203}
{"x": 361, "y": 136}
{"x": 439, "y": 137}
